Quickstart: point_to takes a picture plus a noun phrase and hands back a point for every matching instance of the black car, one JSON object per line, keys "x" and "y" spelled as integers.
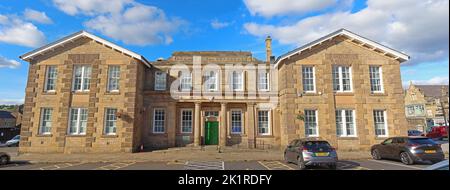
{"x": 408, "y": 150}
{"x": 4, "y": 158}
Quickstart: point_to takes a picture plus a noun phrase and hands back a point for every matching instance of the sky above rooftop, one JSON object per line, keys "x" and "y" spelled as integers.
{"x": 159, "y": 27}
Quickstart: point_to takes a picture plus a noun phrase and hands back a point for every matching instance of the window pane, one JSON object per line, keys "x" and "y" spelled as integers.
{"x": 237, "y": 80}
{"x": 336, "y": 80}
{"x": 110, "y": 121}
{"x": 346, "y": 80}
{"x": 73, "y": 121}
{"x": 263, "y": 122}
{"x": 310, "y": 123}
{"x": 375, "y": 79}
{"x": 158, "y": 121}
{"x": 77, "y": 78}
{"x": 380, "y": 123}
{"x": 186, "y": 121}
{"x": 236, "y": 122}
{"x": 339, "y": 123}
{"x": 86, "y": 77}
{"x": 51, "y": 78}
{"x": 350, "y": 126}
{"x": 113, "y": 78}
{"x": 186, "y": 82}
{"x": 46, "y": 120}
{"x": 263, "y": 82}
{"x": 308, "y": 79}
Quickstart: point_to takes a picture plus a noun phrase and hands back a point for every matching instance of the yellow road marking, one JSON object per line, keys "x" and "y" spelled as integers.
{"x": 115, "y": 166}
{"x": 275, "y": 165}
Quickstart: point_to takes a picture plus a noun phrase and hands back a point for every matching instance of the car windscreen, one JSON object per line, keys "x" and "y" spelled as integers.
{"x": 315, "y": 145}
{"x": 422, "y": 141}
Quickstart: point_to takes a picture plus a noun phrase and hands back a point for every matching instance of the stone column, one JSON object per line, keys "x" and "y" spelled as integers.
{"x": 223, "y": 125}
{"x": 251, "y": 125}
{"x": 197, "y": 124}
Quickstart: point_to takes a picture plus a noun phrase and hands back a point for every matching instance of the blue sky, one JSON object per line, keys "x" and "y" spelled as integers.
{"x": 181, "y": 25}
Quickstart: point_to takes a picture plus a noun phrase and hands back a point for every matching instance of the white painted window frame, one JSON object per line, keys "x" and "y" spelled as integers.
{"x": 216, "y": 81}
{"x": 181, "y": 120}
{"x": 269, "y": 130}
{"x": 344, "y": 123}
{"x": 110, "y": 77}
{"x": 154, "y": 121}
{"x": 381, "y": 79}
{"x": 267, "y": 75}
{"x": 233, "y": 85}
{"x": 82, "y": 81}
{"x": 183, "y": 83}
{"x": 316, "y": 115}
{"x": 41, "y": 123}
{"x": 314, "y": 79}
{"x": 163, "y": 81}
{"x": 386, "y": 127}
{"x": 231, "y": 121}
{"x": 106, "y": 120}
{"x": 78, "y": 124}
{"x": 47, "y": 78}
{"x": 341, "y": 80}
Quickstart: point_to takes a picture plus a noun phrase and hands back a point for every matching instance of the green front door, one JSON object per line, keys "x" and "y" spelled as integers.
{"x": 211, "y": 133}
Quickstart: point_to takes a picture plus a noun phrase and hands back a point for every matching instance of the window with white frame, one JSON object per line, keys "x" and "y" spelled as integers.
{"x": 342, "y": 78}
{"x": 311, "y": 126}
{"x": 236, "y": 121}
{"x": 78, "y": 121}
{"x": 263, "y": 81}
{"x": 113, "y": 78}
{"x": 381, "y": 128}
{"x": 309, "y": 80}
{"x": 345, "y": 123}
{"x": 110, "y": 121}
{"x": 159, "y": 116}
{"x": 50, "y": 79}
{"x": 82, "y": 77}
{"x": 263, "y": 122}
{"x": 186, "y": 82}
{"x": 376, "y": 82}
{"x": 211, "y": 81}
{"x": 237, "y": 80}
{"x": 160, "y": 80}
{"x": 45, "y": 126}
{"x": 186, "y": 121}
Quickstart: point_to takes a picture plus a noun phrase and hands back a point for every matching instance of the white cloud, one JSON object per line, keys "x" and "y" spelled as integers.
{"x": 14, "y": 30}
{"x": 124, "y": 20}
{"x": 268, "y": 8}
{"x": 4, "y": 62}
{"x": 439, "y": 80}
{"x": 419, "y": 28}
{"x": 218, "y": 25}
{"x": 37, "y": 16}
{"x": 91, "y": 7}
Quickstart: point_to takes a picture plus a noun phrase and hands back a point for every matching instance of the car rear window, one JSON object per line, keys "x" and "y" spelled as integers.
{"x": 316, "y": 144}
{"x": 422, "y": 141}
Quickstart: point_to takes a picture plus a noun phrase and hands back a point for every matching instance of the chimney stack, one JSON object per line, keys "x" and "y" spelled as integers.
{"x": 268, "y": 49}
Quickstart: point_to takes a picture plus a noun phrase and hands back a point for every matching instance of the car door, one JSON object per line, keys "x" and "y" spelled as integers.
{"x": 397, "y": 146}
{"x": 290, "y": 150}
{"x": 385, "y": 148}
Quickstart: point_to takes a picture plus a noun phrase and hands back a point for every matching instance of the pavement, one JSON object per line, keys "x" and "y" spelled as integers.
{"x": 189, "y": 159}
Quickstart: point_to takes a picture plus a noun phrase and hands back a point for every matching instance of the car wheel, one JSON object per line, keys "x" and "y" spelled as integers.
{"x": 405, "y": 158}
{"x": 4, "y": 160}
{"x": 376, "y": 155}
{"x": 301, "y": 165}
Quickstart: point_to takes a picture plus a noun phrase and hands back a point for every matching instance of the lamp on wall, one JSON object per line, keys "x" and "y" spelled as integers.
{"x": 119, "y": 114}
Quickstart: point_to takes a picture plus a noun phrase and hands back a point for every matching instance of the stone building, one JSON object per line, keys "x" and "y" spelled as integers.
{"x": 85, "y": 94}
{"x": 426, "y": 106}
{"x": 8, "y": 126}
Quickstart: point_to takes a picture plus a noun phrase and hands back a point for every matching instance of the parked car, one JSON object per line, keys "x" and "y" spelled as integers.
{"x": 14, "y": 141}
{"x": 4, "y": 158}
{"x": 408, "y": 150}
{"x": 415, "y": 133}
{"x": 438, "y": 166}
{"x": 439, "y": 132}
{"x": 307, "y": 152}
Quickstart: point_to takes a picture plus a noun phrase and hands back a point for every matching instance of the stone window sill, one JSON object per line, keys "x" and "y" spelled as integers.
{"x": 44, "y": 135}
{"x": 264, "y": 136}
{"x": 237, "y": 135}
{"x": 109, "y": 136}
{"x": 378, "y": 94}
{"x": 344, "y": 93}
{"x": 80, "y": 92}
{"x": 76, "y": 135}
{"x": 112, "y": 93}
{"x": 49, "y": 93}
{"x": 348, "y": 138}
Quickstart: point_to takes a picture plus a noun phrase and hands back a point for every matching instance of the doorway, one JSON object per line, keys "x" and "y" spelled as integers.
{"x": 211, "y": 133}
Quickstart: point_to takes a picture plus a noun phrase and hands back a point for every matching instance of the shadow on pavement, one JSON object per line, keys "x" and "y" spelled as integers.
{"x": 15, "y": 164}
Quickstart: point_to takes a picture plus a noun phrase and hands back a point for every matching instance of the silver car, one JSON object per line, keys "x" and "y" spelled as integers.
{"x": 14, "y": 141}
{"x": 307, "y": 152}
